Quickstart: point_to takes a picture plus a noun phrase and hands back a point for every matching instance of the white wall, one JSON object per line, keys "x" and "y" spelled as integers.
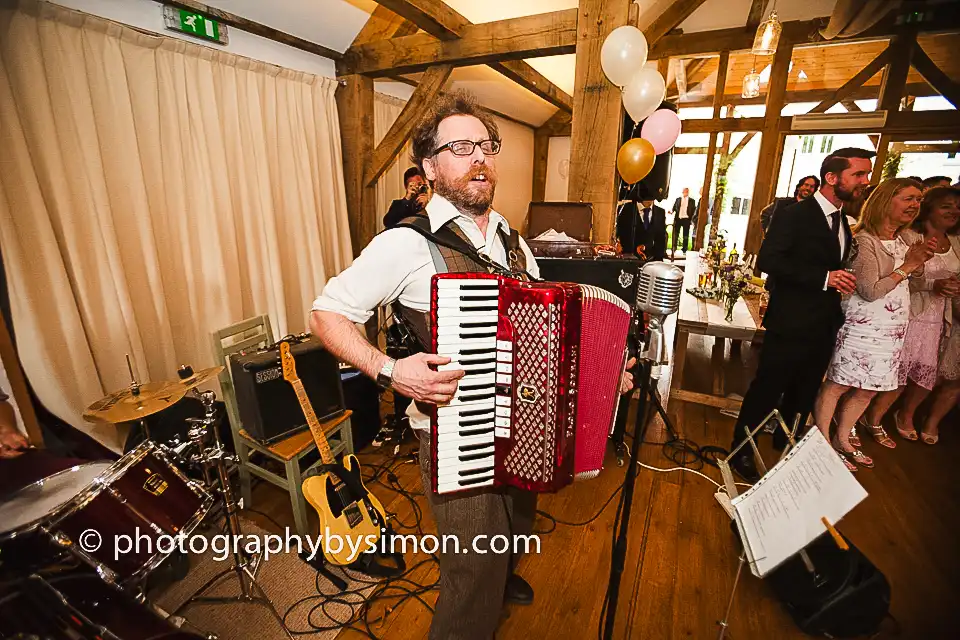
{"x": 515, "y": 171}
{"x": 148, "y": 16}
{"x": 558, "y": 169}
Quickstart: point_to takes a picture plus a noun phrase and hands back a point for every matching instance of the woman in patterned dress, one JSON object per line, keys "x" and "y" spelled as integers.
{"x": 931, "y": 317}
{"x": 867, "y": 356}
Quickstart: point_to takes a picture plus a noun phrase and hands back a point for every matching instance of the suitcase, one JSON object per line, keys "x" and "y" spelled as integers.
{"x": 847, "y": 597}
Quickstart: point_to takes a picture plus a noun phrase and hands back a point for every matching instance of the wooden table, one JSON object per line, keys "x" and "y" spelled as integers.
{"x": 706, "y": 317}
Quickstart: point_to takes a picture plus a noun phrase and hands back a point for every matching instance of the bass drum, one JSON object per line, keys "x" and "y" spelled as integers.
{"x": 88, "y": 508}
{"x": 80, "y": 607}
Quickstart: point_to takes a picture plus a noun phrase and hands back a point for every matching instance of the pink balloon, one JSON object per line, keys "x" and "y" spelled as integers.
{"x": 661, "y": 130}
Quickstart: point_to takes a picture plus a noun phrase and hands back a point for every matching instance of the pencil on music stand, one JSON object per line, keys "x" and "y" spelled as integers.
{"x": 835, "y": 534}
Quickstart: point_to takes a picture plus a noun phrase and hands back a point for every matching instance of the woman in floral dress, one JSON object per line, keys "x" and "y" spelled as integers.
{"x": 931, "y": 318}
{"x": 867, "y": 356}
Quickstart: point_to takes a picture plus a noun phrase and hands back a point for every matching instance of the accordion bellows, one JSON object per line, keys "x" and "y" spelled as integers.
{"x": 543, "y": 363}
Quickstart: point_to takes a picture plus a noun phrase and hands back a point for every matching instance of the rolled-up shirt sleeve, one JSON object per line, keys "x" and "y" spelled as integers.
{"x": 377, "y": 277}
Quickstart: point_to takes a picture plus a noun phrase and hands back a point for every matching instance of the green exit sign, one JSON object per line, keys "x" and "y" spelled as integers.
{"x": 194, "y": 24}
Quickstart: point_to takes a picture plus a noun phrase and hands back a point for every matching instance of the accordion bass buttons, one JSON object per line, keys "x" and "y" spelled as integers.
{"x": 504, "y": 388}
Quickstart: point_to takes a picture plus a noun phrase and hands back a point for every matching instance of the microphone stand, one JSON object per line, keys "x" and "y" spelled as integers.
{"x": 622, "y": 525}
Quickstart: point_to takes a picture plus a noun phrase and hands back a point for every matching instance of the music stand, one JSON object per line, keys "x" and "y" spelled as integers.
{"x": 731, "y": 488}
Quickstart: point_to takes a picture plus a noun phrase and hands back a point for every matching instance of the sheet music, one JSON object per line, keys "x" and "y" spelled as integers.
{"x": 781, "y": 514}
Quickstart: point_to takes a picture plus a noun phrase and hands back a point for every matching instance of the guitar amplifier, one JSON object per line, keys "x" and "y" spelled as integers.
{"x": 618, "y": 275}
{"x": 268, "y": 405}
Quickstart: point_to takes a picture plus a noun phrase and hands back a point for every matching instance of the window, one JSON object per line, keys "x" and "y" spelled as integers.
{"x": 735, "y": 206}
{"x": 826, "y": 145}
{"x": 807, "y": 145}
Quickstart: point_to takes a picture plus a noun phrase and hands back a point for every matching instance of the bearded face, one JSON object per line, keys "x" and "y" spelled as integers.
{"x": 471, "y": 192}
{"x": 467, "y": 181}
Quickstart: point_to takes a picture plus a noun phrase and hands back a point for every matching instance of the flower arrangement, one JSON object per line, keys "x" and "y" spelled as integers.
{"x": 734, "y": 280}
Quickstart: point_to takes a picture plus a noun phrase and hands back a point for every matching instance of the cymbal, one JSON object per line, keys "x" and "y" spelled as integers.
{"x": 200, "y": 377}
{"x": 124, "y": 406}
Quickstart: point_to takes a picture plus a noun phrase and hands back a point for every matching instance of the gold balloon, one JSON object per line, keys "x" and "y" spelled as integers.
{"x": 635, "y": 160}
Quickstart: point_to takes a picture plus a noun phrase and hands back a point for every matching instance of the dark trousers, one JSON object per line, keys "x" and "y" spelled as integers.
{"x": 678, "y": 226}
{"x": 788, "y": 378}
{"x": 472, "y": 584}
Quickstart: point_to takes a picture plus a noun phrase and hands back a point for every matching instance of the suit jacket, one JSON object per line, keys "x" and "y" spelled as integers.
{"x": 691, "y": 209}
{"x": 798, "y": 252}
{"x": 632, "y": 232}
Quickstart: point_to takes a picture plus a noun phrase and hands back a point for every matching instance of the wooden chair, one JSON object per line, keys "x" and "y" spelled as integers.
{"x": 250, "y": 334}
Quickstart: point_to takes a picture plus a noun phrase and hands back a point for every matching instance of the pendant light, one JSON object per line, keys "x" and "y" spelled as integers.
{"x": 751, "y": 82}
{"x": 768, "y": 35}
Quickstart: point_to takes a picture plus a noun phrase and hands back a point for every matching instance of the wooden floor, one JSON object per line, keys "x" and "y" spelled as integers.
{"x": 682, "y": 556}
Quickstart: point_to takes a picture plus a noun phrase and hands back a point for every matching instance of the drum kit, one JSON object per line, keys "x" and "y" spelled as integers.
{"x": 115, "y": 521}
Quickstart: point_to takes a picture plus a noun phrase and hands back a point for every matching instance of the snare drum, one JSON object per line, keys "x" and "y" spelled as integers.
{"x": 87, "y": 508}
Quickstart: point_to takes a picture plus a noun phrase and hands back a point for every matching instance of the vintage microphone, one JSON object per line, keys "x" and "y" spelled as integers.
{"x": 658, "y": 295}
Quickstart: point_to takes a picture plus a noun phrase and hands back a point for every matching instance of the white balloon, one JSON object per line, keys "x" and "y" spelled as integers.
{"x": 644, "y": 93}
{"x": 623, "y": 52}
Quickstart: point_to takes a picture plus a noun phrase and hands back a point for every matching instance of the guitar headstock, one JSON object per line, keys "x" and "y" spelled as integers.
{"x": 287, "y": 362}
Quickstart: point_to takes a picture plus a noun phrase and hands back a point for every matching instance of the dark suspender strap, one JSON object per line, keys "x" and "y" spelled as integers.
{"x": 447, "y": 238}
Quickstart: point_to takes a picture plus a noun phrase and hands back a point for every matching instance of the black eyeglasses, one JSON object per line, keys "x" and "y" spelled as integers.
{"x": 463, "y": 148}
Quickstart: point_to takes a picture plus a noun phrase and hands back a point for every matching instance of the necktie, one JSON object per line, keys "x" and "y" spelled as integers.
{"x": 835, "y": 223}
{"x": 646, "y": 217}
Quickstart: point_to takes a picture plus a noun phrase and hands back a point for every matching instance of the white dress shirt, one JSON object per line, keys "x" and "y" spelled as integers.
{"x": 828, "y": 208}
{"x": 397, "y": 266}
{"x": 682, "y": 214}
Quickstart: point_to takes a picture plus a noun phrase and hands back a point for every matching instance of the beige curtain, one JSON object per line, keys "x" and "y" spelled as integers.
{"x": 152, "y": 191}
{"x": 390, "y": 185}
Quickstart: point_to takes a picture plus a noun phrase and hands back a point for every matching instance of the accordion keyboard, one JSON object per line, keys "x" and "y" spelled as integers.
{"x": 466, "y": 328}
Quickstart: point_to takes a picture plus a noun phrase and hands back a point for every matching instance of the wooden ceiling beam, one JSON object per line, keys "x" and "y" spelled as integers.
{"x": 423, "y": 97}
{"x": 257, "y": 29}
{"x": 384, "y": 24}
{"x": 499, "y": 114}
{"x": 801, "y": 32}
{"x": 535, "y": 82}
{"x": 665, "y": 17}
{"x": 440, "y": 21}
{"x": 757, "y": 10}
{"x": 854, "y": 83}
{"x": 433, "y": 16}
{"x": 812, "y": 95}
{"x": 935, "y": 77}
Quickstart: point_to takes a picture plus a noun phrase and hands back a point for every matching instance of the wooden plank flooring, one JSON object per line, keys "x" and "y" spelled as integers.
{"x": 682, "y": 556}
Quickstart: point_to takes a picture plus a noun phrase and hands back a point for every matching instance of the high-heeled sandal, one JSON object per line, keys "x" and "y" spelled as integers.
{"x": 880, "y": 435}
{"x": 853, "y": 438}
{"x": 856, "y": 455}
{"x": 852, "y": 468}
{"x": 928, "y": 438}
{"x": 906, "y": 435}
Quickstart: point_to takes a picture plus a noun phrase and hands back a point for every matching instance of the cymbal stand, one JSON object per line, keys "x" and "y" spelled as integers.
{"x": 135, "y": 391}
{"x": 245, "y": 566}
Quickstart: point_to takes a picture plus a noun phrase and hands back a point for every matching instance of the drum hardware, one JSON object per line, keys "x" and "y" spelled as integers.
{"x": 245, "y": 566}
{"x": 142, "y": 495}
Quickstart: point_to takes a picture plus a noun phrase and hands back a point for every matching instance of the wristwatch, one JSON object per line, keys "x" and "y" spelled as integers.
{"x": 385, "y": 377}
{"x": 902, "y": 273}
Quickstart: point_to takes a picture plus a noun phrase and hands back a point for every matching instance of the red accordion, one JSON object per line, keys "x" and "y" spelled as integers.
{"x": 543, "y": 363}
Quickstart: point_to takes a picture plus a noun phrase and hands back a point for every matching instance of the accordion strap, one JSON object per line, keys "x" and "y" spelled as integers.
{"x": 451, "y": 238}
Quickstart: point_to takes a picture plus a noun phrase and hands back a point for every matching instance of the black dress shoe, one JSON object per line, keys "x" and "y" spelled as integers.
{"x": 518, "y": 590}
{"x": 745, "y": 467}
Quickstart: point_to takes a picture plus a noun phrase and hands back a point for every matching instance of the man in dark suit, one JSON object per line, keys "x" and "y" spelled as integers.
{"x": 643, "y": 226}
{"x": 804, "y": 255}
{"x": 684, "y": 213}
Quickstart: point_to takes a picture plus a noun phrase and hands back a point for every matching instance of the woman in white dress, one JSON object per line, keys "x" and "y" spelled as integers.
{"x": 867, "y": 355}
{"x": 931, "y": 322}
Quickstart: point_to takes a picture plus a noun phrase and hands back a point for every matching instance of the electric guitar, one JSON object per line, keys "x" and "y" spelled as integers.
{"x": 355, "y": 519}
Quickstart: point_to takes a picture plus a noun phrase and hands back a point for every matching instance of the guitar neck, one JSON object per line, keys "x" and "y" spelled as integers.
{"x": 319, "y": 437}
